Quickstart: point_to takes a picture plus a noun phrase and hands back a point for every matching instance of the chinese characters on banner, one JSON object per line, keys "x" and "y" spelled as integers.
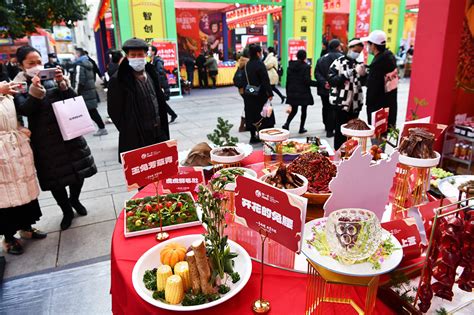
{"x": 167, "y": 51}
{"x": 147, "y": 19}
{"x": 332, "y": 4}
{"x": 261, "y": 206}
{"x": 187, "y": 27}
{"x": 362, "y": 18}
{"x": 406, "y": 232}
{"x": 150, "y": 164}
{"x": 304, "y": 23}
{"x": 186, "y": 180}
{"x": 380, "y": 120}
{"x": 390, "y": 23}
{"x": 293, "y": 46}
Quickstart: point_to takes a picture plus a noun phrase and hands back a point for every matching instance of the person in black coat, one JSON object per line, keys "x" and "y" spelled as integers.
{"x": 202, "y": 71}
{"x": 384, "y": 62}
{"x": 321, "y": 75}
{"x": 163, "y": 78}
{"x": 298, "y": 89}
{"x": 257, "y": 75}
{"x": 58, "y": 163}
{"x": 83, "y": 82}
{"x": 135, "y": 101}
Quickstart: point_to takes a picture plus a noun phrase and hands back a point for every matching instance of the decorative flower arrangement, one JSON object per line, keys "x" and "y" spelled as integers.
{"x": 211, "y": 198}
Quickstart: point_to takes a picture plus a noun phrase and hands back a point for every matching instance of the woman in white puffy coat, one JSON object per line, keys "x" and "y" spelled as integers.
{"x": 19, "y": 207}
{"x": 271, "y": 63}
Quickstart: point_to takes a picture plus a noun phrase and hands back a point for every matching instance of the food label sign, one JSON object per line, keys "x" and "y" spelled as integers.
{"x": 406, "y": 232}
{"x": 150, "y": 164}
{"x": 380, "y": 120}
{"x": 186, "y": 180}
{"x": 261, "y": 206}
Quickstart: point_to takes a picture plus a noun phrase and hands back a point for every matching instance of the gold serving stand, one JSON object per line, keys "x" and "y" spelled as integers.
{"x": 325, "y": 286}
{"x": 403, "y": 198}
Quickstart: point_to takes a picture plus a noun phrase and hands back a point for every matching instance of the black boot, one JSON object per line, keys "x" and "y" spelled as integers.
{"x": 68, "y": 216}
{"x": 80, "y": 209}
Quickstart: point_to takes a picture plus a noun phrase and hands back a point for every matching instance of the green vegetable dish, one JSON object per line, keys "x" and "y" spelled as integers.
{"x": 144, "y": 213}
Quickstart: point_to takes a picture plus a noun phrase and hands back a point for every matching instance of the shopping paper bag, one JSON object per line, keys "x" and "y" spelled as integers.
{"x": 73, "y": 117}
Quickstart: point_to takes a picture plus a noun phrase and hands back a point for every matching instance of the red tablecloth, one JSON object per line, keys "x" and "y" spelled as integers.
{"x": 284, "y": 289}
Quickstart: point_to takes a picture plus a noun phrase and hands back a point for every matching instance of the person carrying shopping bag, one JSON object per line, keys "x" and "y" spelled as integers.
{"x": 59, "y": 163}
{"x": 19, "y": 207}
{"x": 257, "y": 93}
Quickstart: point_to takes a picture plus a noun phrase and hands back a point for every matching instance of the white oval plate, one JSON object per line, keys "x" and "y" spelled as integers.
{"x": 151, "y": 259}
{"x": 419, "y": 162}
{"x": 246, "y": 148}
{"x": 357, "y": 270}
{"x": 357, "y": 133}
{"x": 451, "y": 190}
{"x": 247, "y": 172}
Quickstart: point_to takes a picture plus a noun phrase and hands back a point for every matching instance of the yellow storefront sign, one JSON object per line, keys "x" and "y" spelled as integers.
{"x": 304, "y": 23}
{"x": 147, "y": 19}
{"x": 390, "y": 23}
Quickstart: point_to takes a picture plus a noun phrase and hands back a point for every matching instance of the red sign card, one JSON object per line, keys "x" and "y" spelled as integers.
{"x": 150, "y": 164}
{"x": 186, "y": 180}
{"x": 261, "y": 206}
{"x": 293, "y": 46}
{"x": 380, "y": 120}
{"x": 167, "y": 52}
{"x": 406, "y": 232}
{"x": 436, "y": 129}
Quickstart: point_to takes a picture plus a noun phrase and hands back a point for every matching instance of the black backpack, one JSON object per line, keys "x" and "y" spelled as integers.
{"x": 239, "y": 79}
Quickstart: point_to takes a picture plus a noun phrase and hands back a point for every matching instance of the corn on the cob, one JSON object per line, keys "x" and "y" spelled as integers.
{"x": 182, "y": 269}
{"x": 174, "y": 291}
{"x": 162, "y": 274}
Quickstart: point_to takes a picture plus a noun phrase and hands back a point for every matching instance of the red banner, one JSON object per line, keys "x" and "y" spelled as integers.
{"x": 261, "y": 206}
{"x": 362, "y": 25}
{"x": 293, "y": 46}
{"x": 150, "y": 164}
{"x": 380, "y": 120}
{"x": 406, "y": 232}
{"x": 187, "y": 27}
{"x": 186, "y": 180}
{"x": 167, "y": 52}
{"x": 362, "y": 18}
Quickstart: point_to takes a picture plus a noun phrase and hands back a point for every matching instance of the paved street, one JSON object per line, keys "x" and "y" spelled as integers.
{"x": 89, "y": 237}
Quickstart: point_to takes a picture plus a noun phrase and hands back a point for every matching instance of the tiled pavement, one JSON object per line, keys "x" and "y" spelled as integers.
{"x": 103, "y": 195}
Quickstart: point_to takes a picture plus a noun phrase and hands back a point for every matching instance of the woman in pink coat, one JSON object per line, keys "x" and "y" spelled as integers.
{"x": 19, "y": 207}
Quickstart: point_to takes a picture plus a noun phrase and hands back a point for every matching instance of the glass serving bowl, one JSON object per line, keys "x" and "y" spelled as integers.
{"x": 353, "y": 234}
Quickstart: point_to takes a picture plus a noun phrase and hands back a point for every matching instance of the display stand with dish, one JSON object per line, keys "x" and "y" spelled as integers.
{"x": 347, "y": 249}
{"x": 412, "y": 179}
{"x": 357, "y": 132}
{"x": 273, "y": 139}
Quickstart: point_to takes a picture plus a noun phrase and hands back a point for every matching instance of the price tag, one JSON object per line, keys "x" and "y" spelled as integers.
{"x": 261, "y": 206}
{"x": 186, "y": 180}
{"x": 149, "y": 164}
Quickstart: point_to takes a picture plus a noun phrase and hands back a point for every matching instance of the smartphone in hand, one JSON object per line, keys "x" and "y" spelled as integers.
{"x": 47, "y": 74}
{"x": 21, "y": 87}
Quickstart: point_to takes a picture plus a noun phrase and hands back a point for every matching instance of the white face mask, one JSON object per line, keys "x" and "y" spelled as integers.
{"x": 137, "y": 64}
{"x": 31, "y": 72}
{"x": 352, "y": 54}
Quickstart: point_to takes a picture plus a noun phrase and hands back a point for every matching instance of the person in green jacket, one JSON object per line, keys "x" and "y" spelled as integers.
{"x": 211, "y": 65}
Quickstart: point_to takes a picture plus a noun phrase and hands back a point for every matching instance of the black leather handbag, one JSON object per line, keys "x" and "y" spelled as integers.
{"x": 251, "y": 90}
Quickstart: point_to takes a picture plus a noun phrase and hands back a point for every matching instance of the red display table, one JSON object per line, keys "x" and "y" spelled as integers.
{"x": 286, "y": 290}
